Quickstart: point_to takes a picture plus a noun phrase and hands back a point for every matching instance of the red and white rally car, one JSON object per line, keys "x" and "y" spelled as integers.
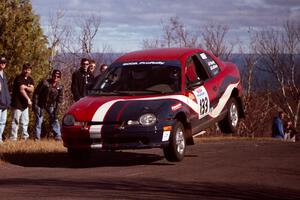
{"x": 155, "y": 98}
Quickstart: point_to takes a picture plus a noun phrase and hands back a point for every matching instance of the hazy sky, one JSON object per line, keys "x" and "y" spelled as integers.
{"x": 125, "y": 23}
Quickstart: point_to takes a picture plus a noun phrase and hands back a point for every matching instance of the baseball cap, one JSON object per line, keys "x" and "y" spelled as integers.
{"x": 56, "y": 72}
{"x": 2, "y": 59}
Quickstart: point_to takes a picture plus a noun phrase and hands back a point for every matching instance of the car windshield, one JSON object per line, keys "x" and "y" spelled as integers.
{"x": 138, "y": 80}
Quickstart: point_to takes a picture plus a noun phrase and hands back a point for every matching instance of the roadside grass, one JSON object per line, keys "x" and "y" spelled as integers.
{"x": 13, "y": 148}
{"x": 26, "y": 150}
{"x": 229, "y": 137}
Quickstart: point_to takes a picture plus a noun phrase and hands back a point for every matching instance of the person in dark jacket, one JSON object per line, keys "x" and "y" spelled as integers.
{"x": 5, "y": 98}
{"x": 48, "y": 96}
{"x": 82, "y": 79}
{"x": 278, "y": 126}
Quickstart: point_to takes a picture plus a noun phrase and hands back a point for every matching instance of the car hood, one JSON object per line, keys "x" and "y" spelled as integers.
{"x": 116, "y": 108}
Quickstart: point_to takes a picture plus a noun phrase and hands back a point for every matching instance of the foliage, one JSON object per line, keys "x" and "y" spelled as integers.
{"x": 22, "y": 39}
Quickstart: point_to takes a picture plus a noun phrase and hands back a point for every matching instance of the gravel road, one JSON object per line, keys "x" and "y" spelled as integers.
{"x": 237, "y": 169}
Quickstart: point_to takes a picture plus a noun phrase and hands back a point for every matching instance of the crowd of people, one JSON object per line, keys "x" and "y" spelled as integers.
{"x": 283, "y": 130}
{"x": 47, "y": 98}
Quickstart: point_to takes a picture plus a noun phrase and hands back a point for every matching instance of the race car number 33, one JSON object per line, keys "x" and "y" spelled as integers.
{"x": 202, "y": 97}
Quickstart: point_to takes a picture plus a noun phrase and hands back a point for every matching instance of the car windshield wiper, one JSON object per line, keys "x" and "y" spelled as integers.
{"x": 154, "y": 91}
{"x": 127, "y": 92}
{"x": 142, "y": 92}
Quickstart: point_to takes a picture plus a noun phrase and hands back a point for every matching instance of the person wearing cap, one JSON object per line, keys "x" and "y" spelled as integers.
{"x": 5, "y": 98}
{"x": 23, "y": 86}
{"x": 82, "y": 79}
{"x": 47, "y": 97}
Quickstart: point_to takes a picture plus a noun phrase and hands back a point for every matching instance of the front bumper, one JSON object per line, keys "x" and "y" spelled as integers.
{"x": 112, "y": 137}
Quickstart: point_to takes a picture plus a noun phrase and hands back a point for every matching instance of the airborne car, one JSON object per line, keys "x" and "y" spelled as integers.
{"x": 156, "y": 98}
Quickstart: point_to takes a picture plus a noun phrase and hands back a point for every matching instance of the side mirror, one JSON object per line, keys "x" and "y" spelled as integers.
{"x": 193, "y": 84}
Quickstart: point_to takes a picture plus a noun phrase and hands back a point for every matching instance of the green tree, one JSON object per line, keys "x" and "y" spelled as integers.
{"x": 22, "y": 39}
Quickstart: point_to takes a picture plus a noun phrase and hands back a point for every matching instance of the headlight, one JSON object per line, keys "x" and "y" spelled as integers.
{"x": 147, "y": 119}
{"x": 69, "y": 120}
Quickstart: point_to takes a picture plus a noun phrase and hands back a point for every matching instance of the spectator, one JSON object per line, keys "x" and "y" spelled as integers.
{"x": 92, "y": 66}
{"x": 91, "y": 70}
{"x": 81, "y": 80}
{"x": 5, "y": 98}
{"x": 23, "y": 85}
{"x": 290, "y": 133}
{"x": 103, "y": 68}
{"x": 277, "y": 127}
{"x": 98, "y": 78}
{"x": 48, "y": 97}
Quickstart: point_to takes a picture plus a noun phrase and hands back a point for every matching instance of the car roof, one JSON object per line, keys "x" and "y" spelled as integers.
{"x": 157, "y": 54}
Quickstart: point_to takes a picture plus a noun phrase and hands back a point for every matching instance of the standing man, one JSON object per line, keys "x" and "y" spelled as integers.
{"x": 22, "y": 87}
{"x": 5, "y": 98}
{"x": 81, "y": 80}
{"x": 278, "y": 126}
{"x": 48, "y": 96}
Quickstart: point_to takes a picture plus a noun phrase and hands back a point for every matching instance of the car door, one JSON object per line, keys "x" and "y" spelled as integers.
{"x": 216, "y": 85}
{"x": 199, "y": 82}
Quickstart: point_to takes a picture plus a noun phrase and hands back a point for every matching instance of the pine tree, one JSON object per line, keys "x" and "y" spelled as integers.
{"x": 22, "y": 39}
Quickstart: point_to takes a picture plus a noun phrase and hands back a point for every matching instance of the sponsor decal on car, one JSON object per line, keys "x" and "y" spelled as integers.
{"x": 203, "y": 99}
{"x": 144, "y": 63}
{"x": 203, "y": 56}
{"x": 176, "y": 106}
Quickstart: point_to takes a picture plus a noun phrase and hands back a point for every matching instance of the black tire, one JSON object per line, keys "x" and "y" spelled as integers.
{"x": 79, "y": 156}
{"x": 175, "y": 150}
{"x": 230, "y": 122}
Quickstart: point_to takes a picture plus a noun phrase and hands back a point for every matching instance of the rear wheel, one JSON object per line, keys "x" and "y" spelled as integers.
{"x": 230, "y": 122}
{"x": 175, "y": 150}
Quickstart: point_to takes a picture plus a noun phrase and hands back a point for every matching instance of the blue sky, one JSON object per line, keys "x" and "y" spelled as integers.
{"x": 126, "y": 23}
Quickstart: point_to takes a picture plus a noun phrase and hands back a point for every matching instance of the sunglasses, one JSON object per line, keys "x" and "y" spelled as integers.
{"x": 85, "y": 64}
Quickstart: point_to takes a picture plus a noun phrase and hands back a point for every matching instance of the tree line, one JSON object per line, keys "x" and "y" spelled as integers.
{"x": 275, "y": 52}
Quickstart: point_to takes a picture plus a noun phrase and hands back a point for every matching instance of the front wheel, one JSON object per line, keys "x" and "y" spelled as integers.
{"x": 175, "y": 150}
{"x": 230, "y": 122}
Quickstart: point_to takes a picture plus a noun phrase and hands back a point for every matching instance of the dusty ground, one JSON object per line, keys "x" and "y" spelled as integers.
{"x": 231, "y": 169}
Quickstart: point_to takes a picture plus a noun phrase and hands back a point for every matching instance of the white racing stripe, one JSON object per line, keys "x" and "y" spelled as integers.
{"x": 95, "y": 130}
{"x": 223, "y": 100}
